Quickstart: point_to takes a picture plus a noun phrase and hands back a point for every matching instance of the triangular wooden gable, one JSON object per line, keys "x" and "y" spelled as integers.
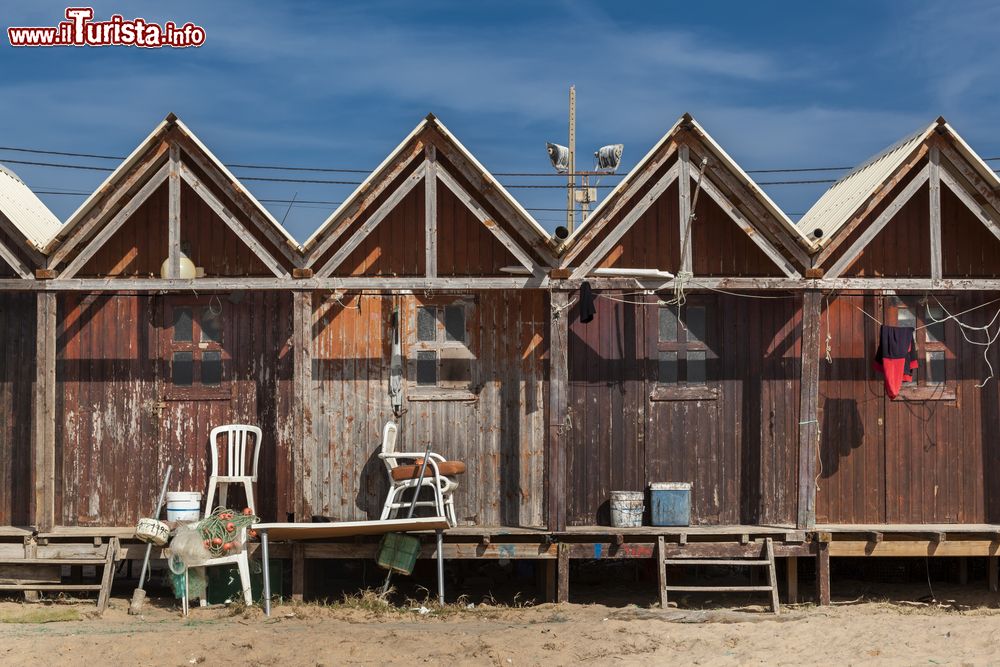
{"x": 419, "y": 211}
{"x": 685, "y": 162}
{"x": 938, "y": 216}
{"x": 153, "y": 188}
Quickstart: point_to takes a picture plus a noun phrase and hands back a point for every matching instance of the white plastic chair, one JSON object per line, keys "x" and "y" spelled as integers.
{"x": 242, "y": 562}
{"x": 443, "y": 486}
{"x": 237, "y": 437}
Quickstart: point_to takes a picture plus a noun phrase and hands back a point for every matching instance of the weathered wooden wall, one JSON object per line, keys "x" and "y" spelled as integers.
{"x": 116, "y": 430}
{"x": 500, "y": 435}
{"x": 905, "y": 461}
{"x": 17, "y": 377}
{"x": 738, "y": 450}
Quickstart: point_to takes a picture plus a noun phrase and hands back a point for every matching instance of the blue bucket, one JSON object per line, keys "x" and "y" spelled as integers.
{"x": 671, "y": 503}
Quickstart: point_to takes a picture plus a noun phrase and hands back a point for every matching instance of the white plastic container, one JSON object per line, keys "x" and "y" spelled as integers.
{"x": 153, "y": 531}
{"x": 627, "y": 508}
{"x": 183, "y": 505}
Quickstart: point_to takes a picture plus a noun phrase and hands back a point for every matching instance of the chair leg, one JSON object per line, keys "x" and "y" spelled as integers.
{"x": 388, "y": 503}
{"x": 210, "y": 496}
{"x": 248, "y": 485}
{"x": 223, "y": 493}
{"x": 244, "y": 565}
{"x": 451, "y": 511}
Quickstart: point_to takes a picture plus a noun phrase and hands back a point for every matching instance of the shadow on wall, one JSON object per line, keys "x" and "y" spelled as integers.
{"x": 842, "y": 432}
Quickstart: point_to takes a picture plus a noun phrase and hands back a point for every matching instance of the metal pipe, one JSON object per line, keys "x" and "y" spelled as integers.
{"x": 440, "y": 559}
{"x": 267, "y": 572}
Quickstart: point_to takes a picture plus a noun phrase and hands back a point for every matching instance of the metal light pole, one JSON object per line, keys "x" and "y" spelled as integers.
{"x": 571, "y": 184}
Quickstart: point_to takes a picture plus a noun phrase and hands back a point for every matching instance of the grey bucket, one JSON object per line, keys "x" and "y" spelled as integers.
{"x": 627, "y": 508}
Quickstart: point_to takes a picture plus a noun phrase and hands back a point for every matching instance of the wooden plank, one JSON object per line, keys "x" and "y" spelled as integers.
{"x": 174, "y": 214}
{"x": 879, "y": 223}
{"x": 313, "y": 531}
{"x": 34, "y": 255}
{"x": 559, "y": 430}
{"x": 523, "y": 257}
{"x": 914, "y": 547}
{"x": 873, "y": 202}
{"x": 15, "y": 262}
{"x": 562, "y": 594}
{"x": 371, "y": 223}
{"x": 809, "y": 432}
{"x": 451, "y": 550}
{"x": 116, "y": 222}
{"x": 792, "y": 580}
{"x": 982, "y": 187}
{"x": 748, "y": 228}
{"x": 718, "y": 589}
{"x": 304, "y": 447}
{"x": 694, "y": 550}
{"x": 626, "y": 223}
{"x": 232, "y": 222}
{"x": 661, "y": 570}
{"x": 772, "y": 576}
{"x": 934, "y": 179}
{"x": 823, "y": 574}
{"x": 44, "y": 413}
{"x": 684, "y": 219}
{"x": 430, "y": 213}
{"x": 108, "y": 576}
{"x": 298, "y": 572}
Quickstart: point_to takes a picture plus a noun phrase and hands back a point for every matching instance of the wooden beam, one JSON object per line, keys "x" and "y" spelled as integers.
{"x": 934, "y": 179}
{"x": 519, "y": 254}
{"x": 661, "y": 571}
{"x": 34, "y": 255}
{"x": 862, "y": 212}
{"x": 792, "y": 579}
{"x": 879, "y": 223}
{"x": 241, "y": 232}
{"x": 748, "y": 228}
{"x": 684, "y": 202}
{"x": 298, "y": 572}
{"x": 982, "y": 187}
{"x": 977, "y": 210}
{"x": 114, "y": 194}
{"x": 304, "y": 445}
{"x": 626, "y": 223}
{"x": 116, "y": 222}
{"x": 15, "y": 262}
{"x": 174, "y": 214}
{"x": 635, "y": 183}
{"x": 809, "y": 408}
{"x": 823, "y": 574}
{"x": 562, "y": 594}
{"x": 430, "y": 213}
{"x": 558, "y": 431}
{"x": 914, "y": 547}
{"x": 371, "y": 223}
{"x": 44, "y": 413}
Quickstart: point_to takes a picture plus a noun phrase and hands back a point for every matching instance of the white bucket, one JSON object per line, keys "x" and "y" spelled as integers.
{"x": 183, "y": 505}
{"x": 627, "y": 508}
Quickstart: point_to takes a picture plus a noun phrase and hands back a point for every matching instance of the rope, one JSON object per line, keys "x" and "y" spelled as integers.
{"x": 963, "y": 327}
{"x": 683, "y": 276}
{"x": 222, "y": 529}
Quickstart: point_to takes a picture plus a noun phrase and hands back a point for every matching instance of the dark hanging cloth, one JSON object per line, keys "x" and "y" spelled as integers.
{"x": 587, "y": 308}
{"x": 896, "y": 357}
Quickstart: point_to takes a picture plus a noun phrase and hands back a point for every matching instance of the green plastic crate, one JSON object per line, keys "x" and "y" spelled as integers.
{"x": 224, "y": 583}
{"x": 398, "y": 552}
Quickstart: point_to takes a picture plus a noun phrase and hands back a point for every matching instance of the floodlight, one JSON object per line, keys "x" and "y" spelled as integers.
{"x": 559, "y": 156}
{"x": 609, "y": 157}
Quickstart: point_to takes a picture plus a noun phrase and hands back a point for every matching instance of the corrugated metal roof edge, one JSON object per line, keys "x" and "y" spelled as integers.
{"x": 40, "y": 210}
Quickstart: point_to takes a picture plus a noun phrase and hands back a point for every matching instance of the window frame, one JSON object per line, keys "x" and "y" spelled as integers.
{"x": 682, "y": 389}
{"x": 921, "y": 389}
{"x": 460, "y": 350}
{"x": 197, "y": 347}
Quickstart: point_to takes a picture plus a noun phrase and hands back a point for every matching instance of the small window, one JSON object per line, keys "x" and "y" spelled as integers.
{"x": 182, "y": 369}
{"x": 440, "y": 358}
{"x": 211, "y": 325}
{"x": 683, "y": 351}
{"x": 932, "y": 379}
{"x": 194, "y": 351}
{"x": 211, "y": 368}
{"x": 183, "y": 325}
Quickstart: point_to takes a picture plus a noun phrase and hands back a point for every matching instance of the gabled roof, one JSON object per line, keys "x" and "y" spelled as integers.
{"x": 380, "y": 172}
{"x": 136, "y": 155}
{"x": 25, "y": 210}
{"x": 728, "y": 163}
{"x": 838, "y": 204}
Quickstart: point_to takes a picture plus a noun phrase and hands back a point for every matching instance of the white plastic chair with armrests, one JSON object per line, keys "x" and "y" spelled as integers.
{"x": 237, "y": 443}
{"x": 442, "y": 485}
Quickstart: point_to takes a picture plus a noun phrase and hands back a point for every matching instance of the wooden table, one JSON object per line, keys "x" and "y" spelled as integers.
{"x": 290, "y": 532}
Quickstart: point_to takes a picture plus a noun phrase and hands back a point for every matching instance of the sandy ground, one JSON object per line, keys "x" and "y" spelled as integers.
{"x": 362, "y": 633}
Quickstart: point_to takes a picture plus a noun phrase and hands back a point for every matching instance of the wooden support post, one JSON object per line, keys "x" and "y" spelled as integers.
{"x": 792, "y": 579}
{"x": 303, "y": 447}
{"x": 31, "y": 551}
{"x": 809, "y": 408}
{"x": 298, "y": 572}
{"x": 44, "y": 413}
{"x": 963, "y": 571}
{"x": 684, "y": 181}
{"x": 547, "y": 579}
{"x": 174, "y": 212}
{"x": 430, "y": 212}
{"x": 562, "y": 593}
{"x": 993, "y": 567}
{"x": 558, "y": 432}
{"x": 823, "y": 574}
{"x": 661, "y": 570}
{"x": 935, "y": 212}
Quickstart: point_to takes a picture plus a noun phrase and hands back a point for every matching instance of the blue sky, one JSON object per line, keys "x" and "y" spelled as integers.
{"x": 339, "y": 84}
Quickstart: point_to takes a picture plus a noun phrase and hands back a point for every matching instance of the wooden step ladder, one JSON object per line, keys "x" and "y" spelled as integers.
{"x": 31, "y": 559}
{"x": 766, "y": 560}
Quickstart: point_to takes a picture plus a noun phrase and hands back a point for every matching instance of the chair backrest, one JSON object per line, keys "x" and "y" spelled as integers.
{"x": 237, "y": 446}
{"x": 389, "y": 433}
